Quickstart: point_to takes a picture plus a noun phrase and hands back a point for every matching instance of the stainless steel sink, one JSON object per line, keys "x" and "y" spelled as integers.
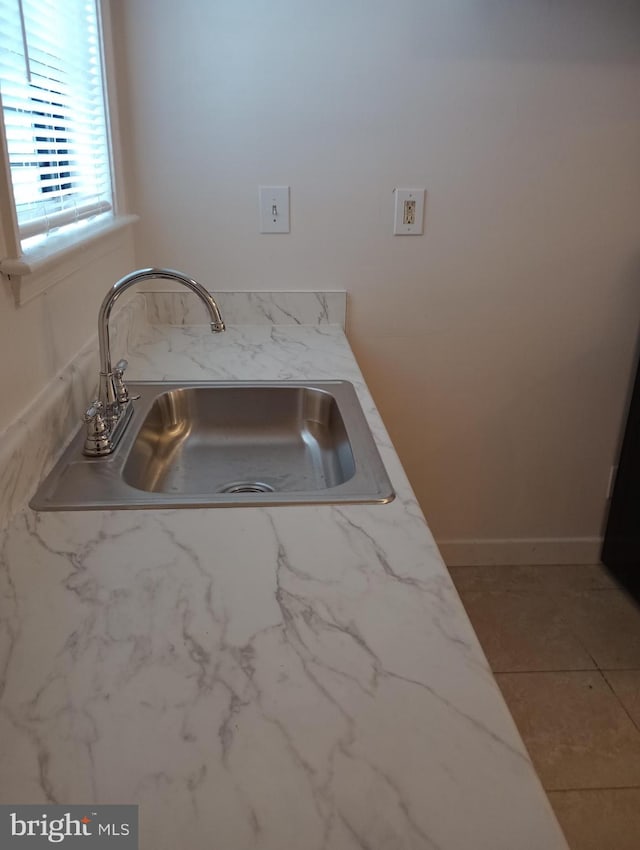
{"x": 227, "y": 444}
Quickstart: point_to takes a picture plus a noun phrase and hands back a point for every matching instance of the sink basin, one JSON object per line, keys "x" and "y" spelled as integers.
{"x": 241, "y": 439}
{"x": 227, "y": 444}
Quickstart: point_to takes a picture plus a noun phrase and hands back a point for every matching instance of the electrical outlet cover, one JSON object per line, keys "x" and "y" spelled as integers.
{"x": 408, "y": 219}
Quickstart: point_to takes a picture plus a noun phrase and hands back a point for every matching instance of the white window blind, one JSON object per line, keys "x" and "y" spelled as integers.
{"x": 54, "y": 112}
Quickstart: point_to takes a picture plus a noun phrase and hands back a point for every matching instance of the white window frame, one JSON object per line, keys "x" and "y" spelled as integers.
{"x": 36, "y": 270}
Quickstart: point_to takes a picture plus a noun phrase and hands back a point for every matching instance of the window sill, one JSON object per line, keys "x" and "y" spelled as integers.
{"x": 43, "y": 267}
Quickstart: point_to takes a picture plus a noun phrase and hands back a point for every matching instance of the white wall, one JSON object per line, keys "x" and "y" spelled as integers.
{"x": 499, "y": 346}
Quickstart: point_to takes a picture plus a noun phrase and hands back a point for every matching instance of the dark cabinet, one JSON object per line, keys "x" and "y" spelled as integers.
{"x": 621, "y": 548}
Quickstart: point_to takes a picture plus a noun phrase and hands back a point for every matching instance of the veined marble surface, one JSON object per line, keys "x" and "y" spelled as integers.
{"x": 238, "y": 308}
{"x": 277, "y": 679}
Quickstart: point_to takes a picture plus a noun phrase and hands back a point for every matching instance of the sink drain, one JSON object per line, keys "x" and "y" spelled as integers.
{"x": 247, "y": 487}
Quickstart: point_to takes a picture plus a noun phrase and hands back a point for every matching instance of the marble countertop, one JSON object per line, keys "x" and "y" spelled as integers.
{"x": 269, "y": 678}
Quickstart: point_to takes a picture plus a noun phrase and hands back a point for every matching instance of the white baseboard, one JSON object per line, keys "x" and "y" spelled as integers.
{"x": 562, "y": 550}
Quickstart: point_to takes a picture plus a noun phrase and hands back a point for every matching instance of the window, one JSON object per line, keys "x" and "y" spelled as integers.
{"x": 51, "y": 82}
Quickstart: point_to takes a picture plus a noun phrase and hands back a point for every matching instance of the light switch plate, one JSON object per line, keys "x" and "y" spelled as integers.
{"x": 408, "y": 217}
{"x": 274, "y": 209}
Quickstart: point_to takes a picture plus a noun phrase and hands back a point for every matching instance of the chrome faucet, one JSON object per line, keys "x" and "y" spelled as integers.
{"x": 108, "y": 415}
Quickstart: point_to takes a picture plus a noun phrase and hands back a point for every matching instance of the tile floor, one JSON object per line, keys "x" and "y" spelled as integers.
{"x": 564, "y": 644}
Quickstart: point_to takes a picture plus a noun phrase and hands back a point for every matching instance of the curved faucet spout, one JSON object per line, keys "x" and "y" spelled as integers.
{"x": 112, "y": 392}
{"x": 217, "y": 324}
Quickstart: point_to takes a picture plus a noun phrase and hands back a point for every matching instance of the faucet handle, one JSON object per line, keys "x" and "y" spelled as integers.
{"x": 122, "y": 393}
{"x": 94, "y": 415}
{"x": 97, "y": 441}
{"x": 121, "y": 389}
